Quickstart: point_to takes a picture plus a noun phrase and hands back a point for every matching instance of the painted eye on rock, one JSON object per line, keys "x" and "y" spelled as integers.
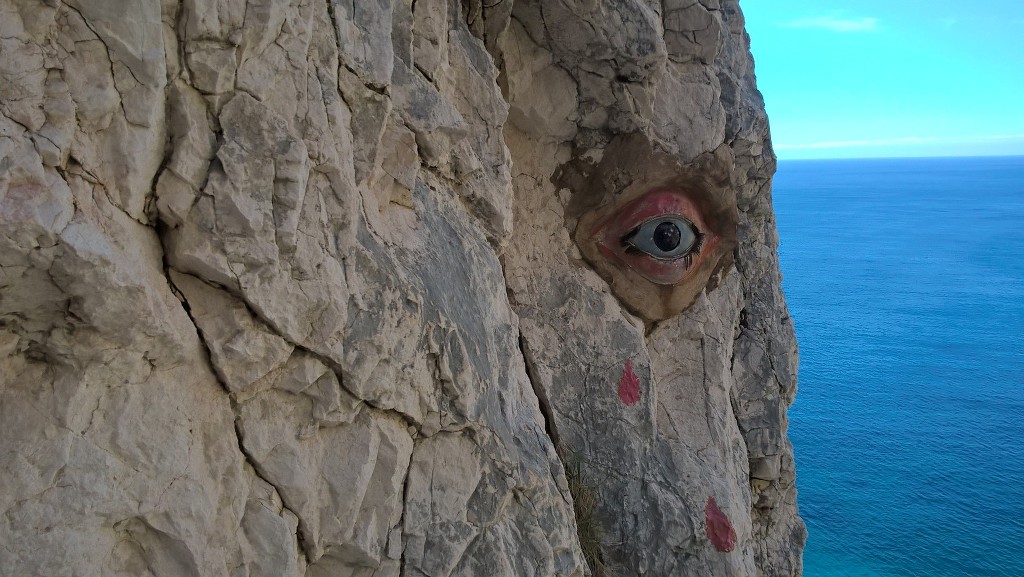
{"x": 668, "y": 237}
{"x": 661, "y": 236}
{"x": 658, "y": 231}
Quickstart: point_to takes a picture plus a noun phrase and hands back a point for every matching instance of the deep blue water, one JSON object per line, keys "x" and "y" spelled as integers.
{"x": 905, "y": 279}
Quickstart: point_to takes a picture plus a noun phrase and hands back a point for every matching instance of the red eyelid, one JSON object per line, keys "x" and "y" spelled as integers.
{"x": 653, "y": 204}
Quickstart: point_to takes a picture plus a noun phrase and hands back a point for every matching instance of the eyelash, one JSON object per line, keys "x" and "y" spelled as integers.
{"x": 688, "y": 257}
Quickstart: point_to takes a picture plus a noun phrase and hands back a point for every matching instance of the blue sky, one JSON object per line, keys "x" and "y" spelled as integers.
{"x": 891, "y": 78}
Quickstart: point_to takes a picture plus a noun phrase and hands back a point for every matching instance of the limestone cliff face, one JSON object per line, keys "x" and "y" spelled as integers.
{"x": 301, "y": 288}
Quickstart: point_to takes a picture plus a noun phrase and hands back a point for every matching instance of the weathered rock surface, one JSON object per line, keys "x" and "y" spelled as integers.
{"x": 291, "y": 288}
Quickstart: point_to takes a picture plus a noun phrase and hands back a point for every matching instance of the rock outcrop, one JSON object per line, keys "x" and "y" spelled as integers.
{"x": 300, "y": 288}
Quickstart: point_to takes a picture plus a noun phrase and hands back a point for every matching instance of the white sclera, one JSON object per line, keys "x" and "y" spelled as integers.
{"x": 643, "y": 238}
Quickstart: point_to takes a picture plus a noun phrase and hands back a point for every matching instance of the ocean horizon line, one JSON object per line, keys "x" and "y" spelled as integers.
{"x": 921, "y": 157}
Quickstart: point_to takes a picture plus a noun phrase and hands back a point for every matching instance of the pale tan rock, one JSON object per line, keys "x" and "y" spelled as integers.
{"x": 344, "y": 483}
{"x": 112, "y": 61}
{"x": 435, "y": 120}
{"x": 370, "y": 112}
{"x": 692, "y": 31}
{"x": 682, "y": 91}
{"x": 293, "y": 288}
{"x": 242, "y": 349}
{"x": 430, "y": 35}
{"x": 269, "y": 546}
{"x": 399, "y": 166}
{"x": 193, "y": 144}
{"x": 121, "y": 448}
{"x": 537, "y": 83}
{"x": 212, "y": 67}
{"x": 364, "y": 38}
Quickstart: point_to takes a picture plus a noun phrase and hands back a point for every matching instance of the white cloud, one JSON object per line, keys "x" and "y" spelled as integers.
{"x": 835, "y": 24}
{"x": 898, "y": 141}
{"x": 948, "y": 22}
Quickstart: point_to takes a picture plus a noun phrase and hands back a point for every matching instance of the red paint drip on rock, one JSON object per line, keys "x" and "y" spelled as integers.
{"x": 720, "y": 530}
{"x": 629, "y": 385}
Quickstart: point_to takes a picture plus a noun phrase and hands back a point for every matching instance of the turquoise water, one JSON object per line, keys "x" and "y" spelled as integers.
{"x": 905, "y": 279}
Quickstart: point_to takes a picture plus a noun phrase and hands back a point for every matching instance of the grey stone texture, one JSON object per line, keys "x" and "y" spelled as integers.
{"x": 291, "y": 287}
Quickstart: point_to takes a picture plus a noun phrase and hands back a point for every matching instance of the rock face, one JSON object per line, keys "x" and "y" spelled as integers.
{"x": 301, "y": 288}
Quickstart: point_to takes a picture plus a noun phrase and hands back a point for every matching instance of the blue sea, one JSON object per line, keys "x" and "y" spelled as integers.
{"x": 905, "y": 280}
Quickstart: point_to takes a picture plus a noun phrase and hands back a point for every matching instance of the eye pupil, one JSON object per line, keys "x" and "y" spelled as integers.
{"x": 667, "y": 236}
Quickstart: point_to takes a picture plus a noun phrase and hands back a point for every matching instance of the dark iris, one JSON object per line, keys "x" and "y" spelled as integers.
{"x": 667, "y": 236}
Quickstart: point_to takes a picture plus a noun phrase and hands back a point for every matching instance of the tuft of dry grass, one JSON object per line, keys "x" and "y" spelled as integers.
{"x": 584, "y": 504}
